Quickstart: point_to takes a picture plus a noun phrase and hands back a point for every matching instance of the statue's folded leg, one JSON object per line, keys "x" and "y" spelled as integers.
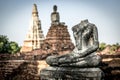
{"x": 72, "y": 59}
{"x": 52, "y": 60}
{"x": 91, "y": 60}
{"x": 56, "y": 60}
{"x": 67, "y": 58}
{"x": 77, "y": 64}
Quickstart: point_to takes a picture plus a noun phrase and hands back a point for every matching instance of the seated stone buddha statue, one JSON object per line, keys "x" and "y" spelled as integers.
{"x": 84, "y": 55}
{"x": 55, "y": 18}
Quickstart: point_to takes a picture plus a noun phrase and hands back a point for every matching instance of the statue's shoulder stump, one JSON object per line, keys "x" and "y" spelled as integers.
{"x": 70, "y": 73}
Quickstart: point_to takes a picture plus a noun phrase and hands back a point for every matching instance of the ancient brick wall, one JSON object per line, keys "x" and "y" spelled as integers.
{"x": 111, "y": 66}
{"x": 28, "y": 67}
{"x": 58, "y": 39}
{"x": 21, "y": 69}
{"x": 25, "y": 56}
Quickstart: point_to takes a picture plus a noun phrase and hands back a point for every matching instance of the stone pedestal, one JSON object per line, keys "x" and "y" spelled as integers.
{"x": 71, "y": 73}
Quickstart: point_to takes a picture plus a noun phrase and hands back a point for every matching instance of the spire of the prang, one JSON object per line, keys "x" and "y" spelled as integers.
{"x": 34, "y": 10}
{"x": 35, "y": 37}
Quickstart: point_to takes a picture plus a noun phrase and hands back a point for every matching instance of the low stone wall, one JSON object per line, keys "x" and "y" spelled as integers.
{"x": 28, "y": 67}
{"x": 21, "y": 69}
{"x": 19, "y": 56}
{"x": 111, "y": 66}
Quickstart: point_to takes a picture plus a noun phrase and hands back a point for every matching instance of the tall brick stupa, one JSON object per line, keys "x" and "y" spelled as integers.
{"x": 35, "y": 37}
{"x": 58, "y": 38}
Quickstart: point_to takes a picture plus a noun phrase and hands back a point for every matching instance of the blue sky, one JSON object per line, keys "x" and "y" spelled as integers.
{"x": 15, "y": 17}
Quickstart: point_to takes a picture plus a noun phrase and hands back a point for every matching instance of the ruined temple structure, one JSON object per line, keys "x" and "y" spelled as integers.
{"x": 58, "y": 38}
{"x": 80, "y": 64}
{"x": 35, "y": 37}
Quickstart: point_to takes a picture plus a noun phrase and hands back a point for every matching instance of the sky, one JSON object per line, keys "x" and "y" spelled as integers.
{"x": 15, "y": 16}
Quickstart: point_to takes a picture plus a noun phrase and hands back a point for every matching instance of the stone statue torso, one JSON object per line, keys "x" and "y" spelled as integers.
{"x": 55, "y": 15}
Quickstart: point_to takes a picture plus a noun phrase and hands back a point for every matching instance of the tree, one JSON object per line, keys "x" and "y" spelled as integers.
{"x": 117, "y": 45}
{"x": 102, "y": 46}
{"x": 13, "y": 47}
{"x": 3, "y": 43}
{"x": 114, "y": 48}
{"x": 8, "y": 47}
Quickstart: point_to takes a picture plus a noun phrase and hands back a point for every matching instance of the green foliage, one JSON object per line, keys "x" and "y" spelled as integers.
{"x": 113, "y": 48}
{"x": 3, "y": 43}
{"x": 8, "y": 47}
{"x": 13, "y": 47}
{"x": 102, "y": 46}
{"x": 117, "y": 45}
{"x": 1, "y": 46}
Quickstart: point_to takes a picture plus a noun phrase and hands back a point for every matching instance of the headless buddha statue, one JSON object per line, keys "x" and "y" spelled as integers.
{"x": 84, "y": 55}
